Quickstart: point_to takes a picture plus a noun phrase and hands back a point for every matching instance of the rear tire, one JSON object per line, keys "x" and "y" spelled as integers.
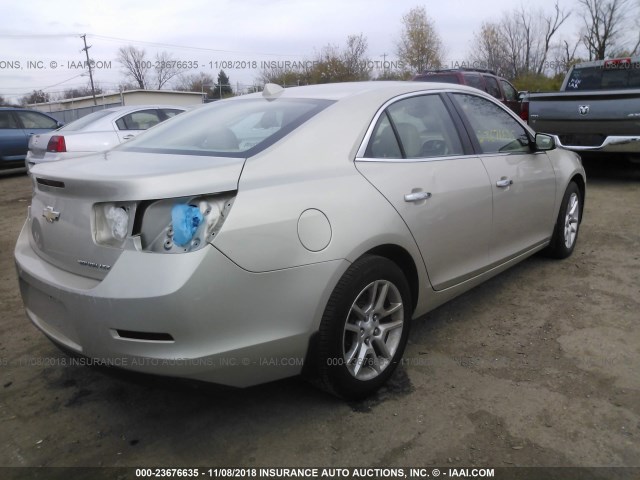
{"x": 364, "y": 328}
{"x": 565, "y": 233}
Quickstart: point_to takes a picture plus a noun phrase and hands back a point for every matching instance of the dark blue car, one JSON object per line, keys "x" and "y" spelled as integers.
{"x": 16, "y": 126}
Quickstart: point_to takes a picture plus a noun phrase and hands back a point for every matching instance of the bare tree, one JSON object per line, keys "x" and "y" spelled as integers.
{"x": 420, "y": 47}
{"x": 520, "y": 43}
{"x": 82, "y": 91}
{"x": 196, "y": 82}
{"x": 147, "y": 73}
{"x": 491, "y": 50}
{"x": 36, "y": 96}
{"x": 354, "y": 56}
{"x": 605, "y": 24}
{"x": 165, "y": 69}
{"x": 331, "y": 64}
{"x": 135, "y": 64}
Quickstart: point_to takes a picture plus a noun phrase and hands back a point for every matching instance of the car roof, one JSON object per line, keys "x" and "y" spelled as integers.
{"x": 339, "y": 91}
{"x": 139, "y": 107}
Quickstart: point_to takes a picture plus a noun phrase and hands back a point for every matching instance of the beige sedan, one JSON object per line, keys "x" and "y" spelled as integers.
{"x": 290, "y": 231}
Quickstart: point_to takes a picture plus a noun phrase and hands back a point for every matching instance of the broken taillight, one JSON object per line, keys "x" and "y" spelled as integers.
{"x": 56, "y": 144}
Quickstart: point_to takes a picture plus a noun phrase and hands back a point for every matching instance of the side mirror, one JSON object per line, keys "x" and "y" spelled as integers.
{"x": 522, "y": 96}
{"x": 60, "y": 124}
{"x": 544, "y": 142}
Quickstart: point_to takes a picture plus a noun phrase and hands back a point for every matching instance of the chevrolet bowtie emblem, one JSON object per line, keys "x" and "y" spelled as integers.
{"x": 50, "y": 214}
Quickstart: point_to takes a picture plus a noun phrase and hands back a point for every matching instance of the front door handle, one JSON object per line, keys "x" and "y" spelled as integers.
{"x": 417, "y": 196}
{"x": 128, "y": 137}
{"x": 504, "y": 182}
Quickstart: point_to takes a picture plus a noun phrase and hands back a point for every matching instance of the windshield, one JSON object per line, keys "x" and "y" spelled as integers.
{"x": 85, "y": 121}
{"x": 606, "y": 77}
{"x": 228, "y": 128}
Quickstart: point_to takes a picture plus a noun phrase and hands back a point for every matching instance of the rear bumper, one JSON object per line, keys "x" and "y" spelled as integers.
{"x": 620, "y": 144}
{"x": 217, "y": 322}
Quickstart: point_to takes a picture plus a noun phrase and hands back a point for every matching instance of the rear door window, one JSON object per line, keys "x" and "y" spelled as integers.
{"x": 415, "y": 127}
{"x": 492, "y": 87}
{"x": 474, "y": 80}
{"x": 141, "y": 120}
{"x": 35, "y": 120}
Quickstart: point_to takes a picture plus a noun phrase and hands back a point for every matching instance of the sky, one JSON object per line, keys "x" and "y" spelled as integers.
{"x": 40, "y": 44}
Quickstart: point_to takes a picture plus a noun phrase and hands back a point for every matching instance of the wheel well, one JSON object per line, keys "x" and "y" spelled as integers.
{"x": 583, "y": 191}
{"x": 403, "y": 259}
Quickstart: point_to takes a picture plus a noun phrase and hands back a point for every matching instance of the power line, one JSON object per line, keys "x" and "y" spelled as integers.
{"x": 186, "y": 47}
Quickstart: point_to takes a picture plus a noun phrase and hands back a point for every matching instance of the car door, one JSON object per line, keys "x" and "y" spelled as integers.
{"x": 134, "y": 123}
{"x": 522, "y": 179}
{"x": 13, "y": 141}
{"x": 416, "y": 158}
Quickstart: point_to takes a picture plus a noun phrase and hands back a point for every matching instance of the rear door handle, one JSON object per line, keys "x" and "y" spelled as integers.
{"x": 128, "y": 137}
{"x": 504, "y": 182}
{"x": 417, "y": 196}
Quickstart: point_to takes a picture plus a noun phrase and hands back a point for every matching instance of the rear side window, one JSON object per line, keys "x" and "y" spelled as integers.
{"x": 85, "y": 121}
{"x": 423, "y": 127}
{"x": 383, "y": 143}
{"x": 440, "y": 77}
{"x": 37, "y": 120}
{"x": 474, "y": 80}
{"x": 605, "y": 77}
{"x": 495, "y": 130}
{"x": 7, "y": 120}
{"x": 171, "y": 112}
{"x": 141, "y": 120}
{"x": 228, "y": 128}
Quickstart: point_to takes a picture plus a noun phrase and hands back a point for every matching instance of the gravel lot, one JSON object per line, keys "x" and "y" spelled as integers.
{"x": 538, "y": 367}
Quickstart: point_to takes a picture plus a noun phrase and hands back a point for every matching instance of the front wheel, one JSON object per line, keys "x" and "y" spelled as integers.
{"x": 364, "y": 328}
{"x": 565, "y": 233}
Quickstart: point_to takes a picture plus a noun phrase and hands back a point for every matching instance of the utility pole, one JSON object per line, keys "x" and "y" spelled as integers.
{"x": 86, "y": 50}
{"x": 384, "y": 62}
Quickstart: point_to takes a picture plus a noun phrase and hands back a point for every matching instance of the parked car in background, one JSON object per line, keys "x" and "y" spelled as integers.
{"x": 96, "y": 132}
{"x": 485, "y": 80}
{"x": 596, "y": 110}
{"x": 300, "y": 227}
{"x": 16, "y": 126}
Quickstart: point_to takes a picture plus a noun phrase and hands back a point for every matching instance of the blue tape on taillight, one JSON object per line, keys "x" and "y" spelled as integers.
{"x": 185, "y": 219}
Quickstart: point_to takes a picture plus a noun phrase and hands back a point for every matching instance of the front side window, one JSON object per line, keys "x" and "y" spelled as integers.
{"x": 415, "y": 127}
{"x": 492, "y": 87}
{"x": 495, "y": 130}
{"x": 37, "y": 120}
{"x": 228, "y": 128}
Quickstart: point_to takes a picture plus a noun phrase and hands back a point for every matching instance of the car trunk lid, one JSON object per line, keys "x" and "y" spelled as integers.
{"x": 62, "y": 214}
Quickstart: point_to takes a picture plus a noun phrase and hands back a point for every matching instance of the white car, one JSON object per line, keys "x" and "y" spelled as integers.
{"x": 96, "y": 132}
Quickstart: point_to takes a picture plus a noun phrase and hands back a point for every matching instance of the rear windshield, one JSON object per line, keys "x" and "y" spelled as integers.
{"x": 609, "y": 77}
{"x": 444, "y": 78}
{"x": 85, "y": 121}
{"x": 228, "y": 128}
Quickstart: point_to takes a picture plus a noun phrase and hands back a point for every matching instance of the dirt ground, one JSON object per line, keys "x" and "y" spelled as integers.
{"x": 538, "y": 367}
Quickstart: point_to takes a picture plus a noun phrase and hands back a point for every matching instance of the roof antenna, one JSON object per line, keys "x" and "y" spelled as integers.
{"x": 272, "y": 91}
